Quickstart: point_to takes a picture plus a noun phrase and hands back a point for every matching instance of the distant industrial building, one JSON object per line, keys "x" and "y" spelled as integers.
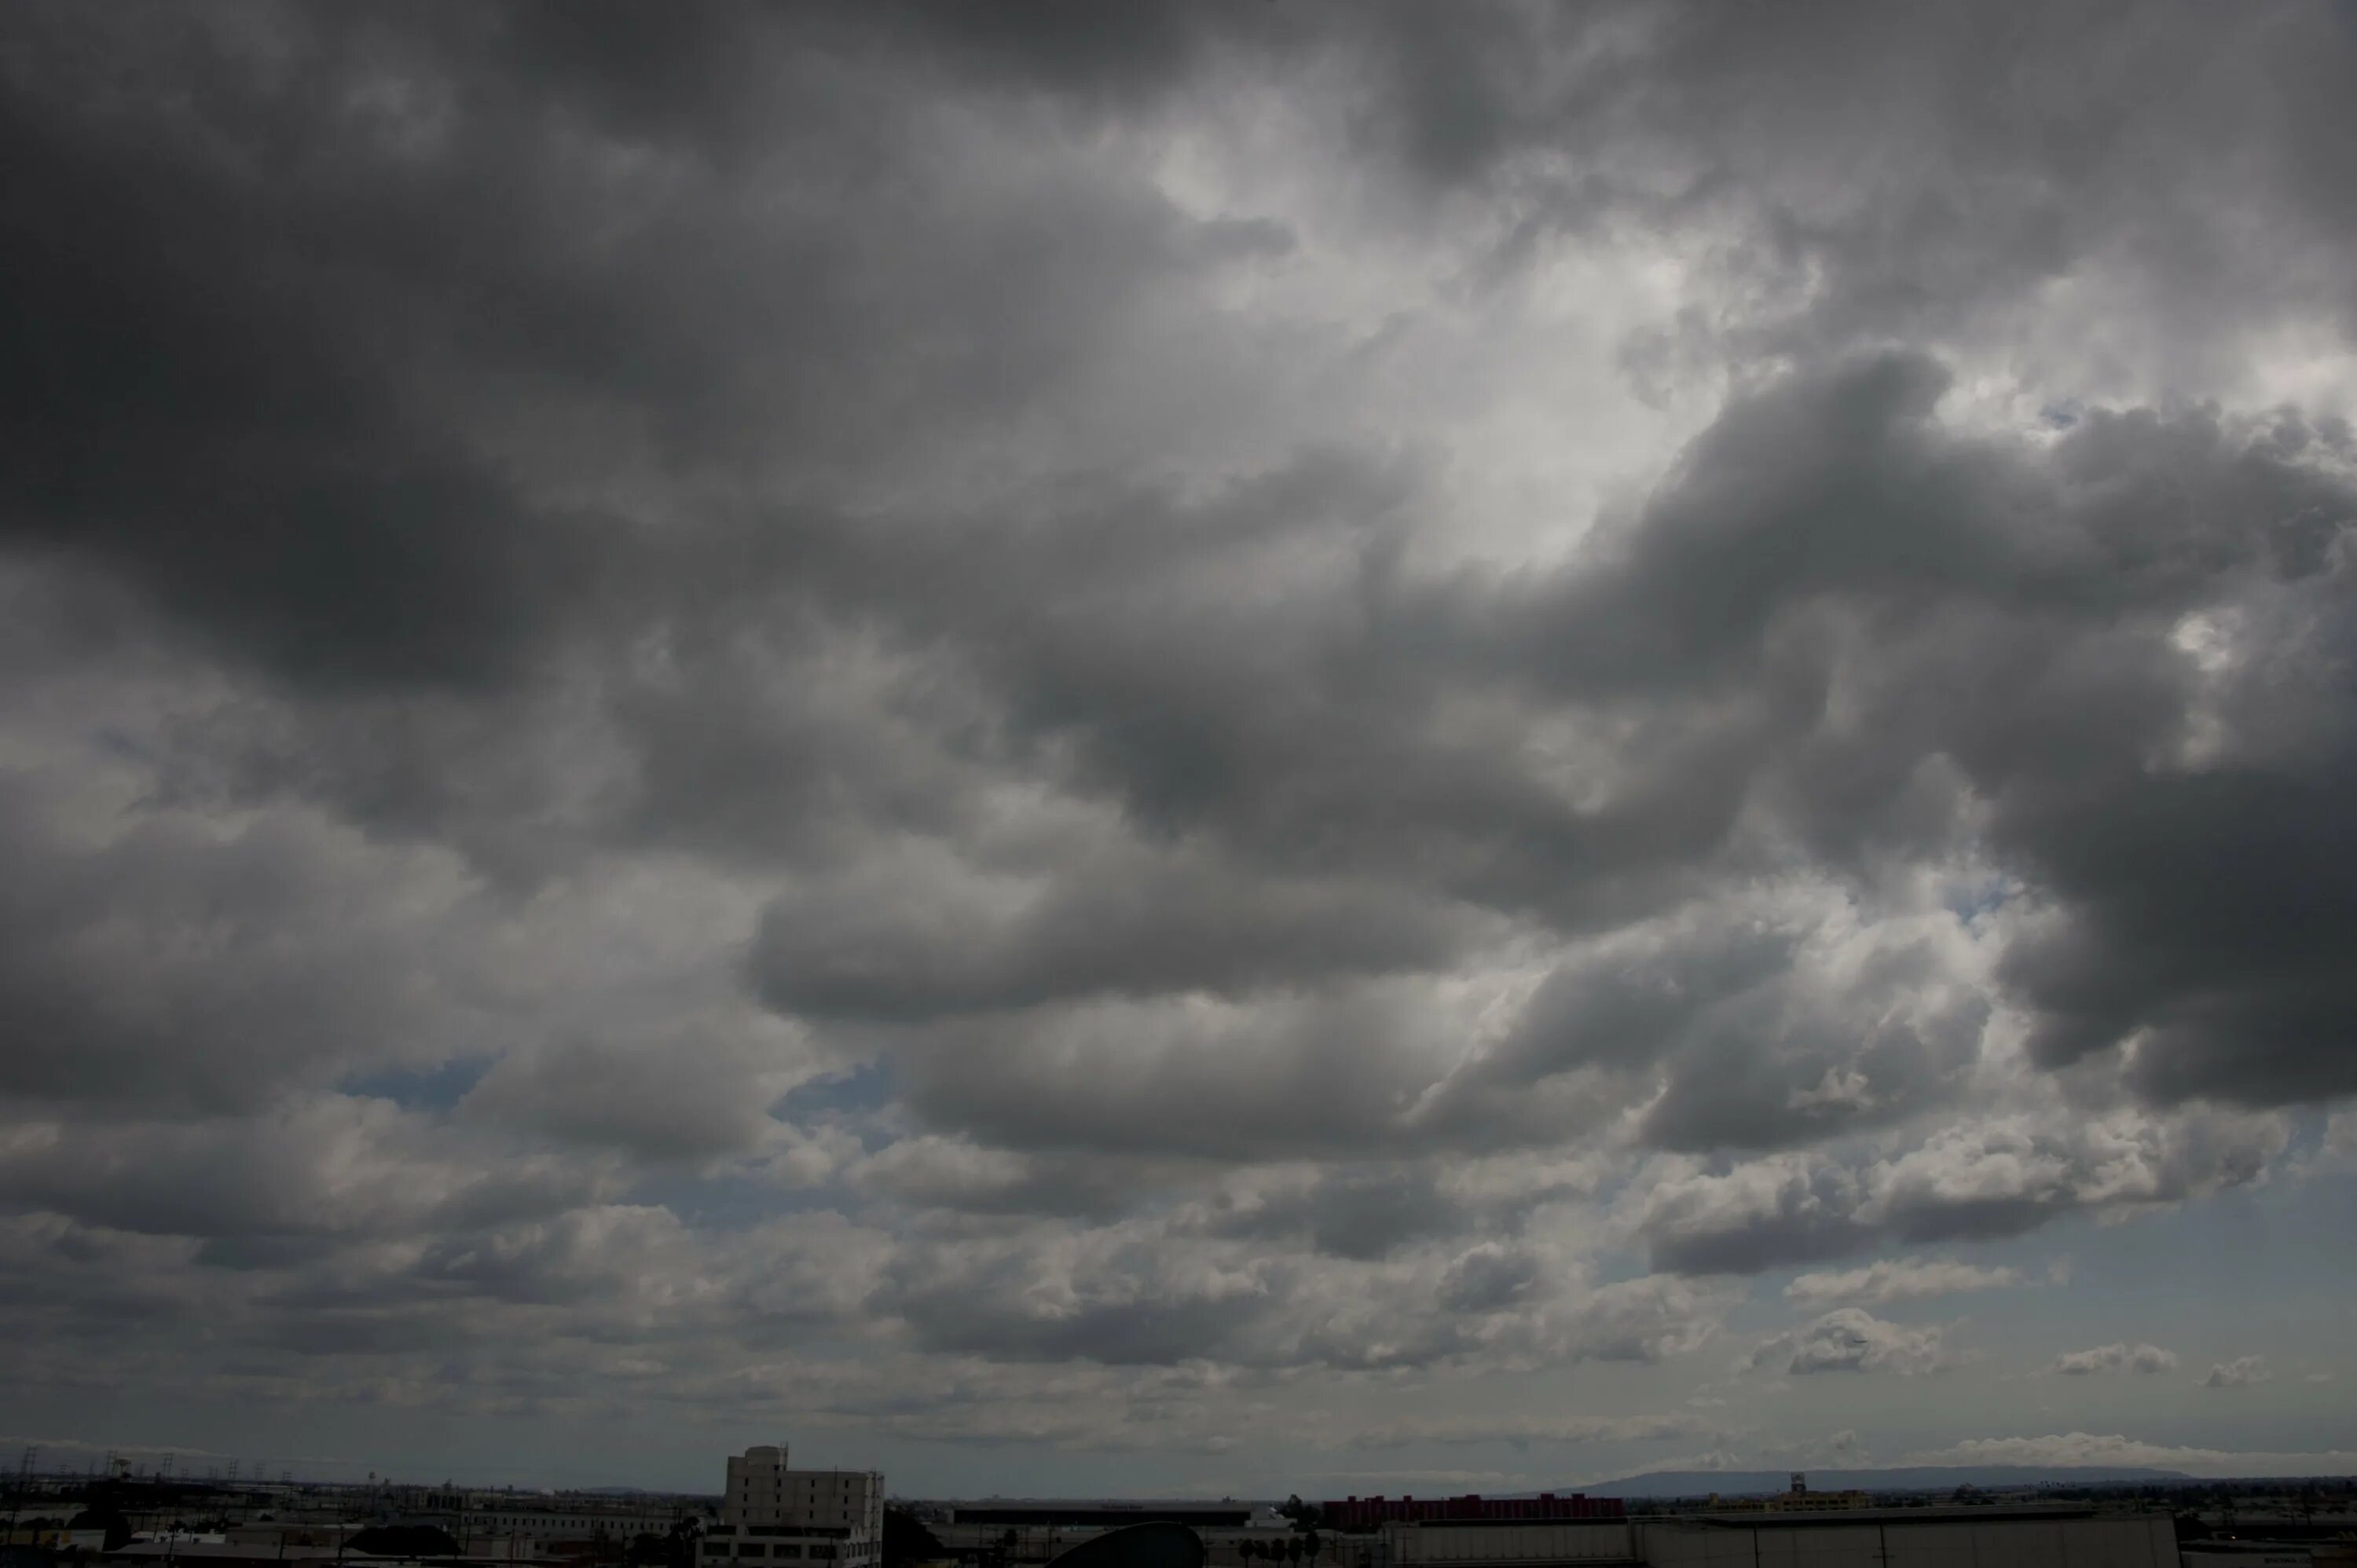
{"x": 771, "y": 1513}
{"x": 1799, "y": 1500}
{"x": 1049, "y": 1514}
{"x": 2030, "y": 1536}
{"x": 1368, "y": 1513}
{"x": 570, "y": 1521}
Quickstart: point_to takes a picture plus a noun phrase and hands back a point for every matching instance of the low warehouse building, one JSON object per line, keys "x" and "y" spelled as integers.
{"x": 1462, "y": 1545}
{"x": 2025, "y": 1537}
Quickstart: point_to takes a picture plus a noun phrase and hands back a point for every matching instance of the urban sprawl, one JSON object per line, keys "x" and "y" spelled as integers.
{"x": 769, "y": 1513}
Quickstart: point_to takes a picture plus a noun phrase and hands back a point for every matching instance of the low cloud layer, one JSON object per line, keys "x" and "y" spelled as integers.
{"x": 1851, "y": 1339}
{"x": 1041, "y": 732}
{"x": 2074, "y": 1448}
{"x": 1898, "y": 1279}
{"x": 2146, "y": 1358}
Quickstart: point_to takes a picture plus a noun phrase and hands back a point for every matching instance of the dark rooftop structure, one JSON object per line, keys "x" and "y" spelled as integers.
{"x": 1158, "y": 1545}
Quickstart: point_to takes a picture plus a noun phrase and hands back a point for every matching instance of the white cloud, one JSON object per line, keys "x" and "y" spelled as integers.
{"x": 2088, "y": 1449}
{"x": 2241, "y": 1372}
{"x": 2118, "y": 1358}
{"x": 1850, "y": 1339}
{"x": 2336, "y": 1152}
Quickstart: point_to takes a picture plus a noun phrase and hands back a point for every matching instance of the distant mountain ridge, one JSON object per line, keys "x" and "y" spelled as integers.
{"x": 1910, "y": 1478}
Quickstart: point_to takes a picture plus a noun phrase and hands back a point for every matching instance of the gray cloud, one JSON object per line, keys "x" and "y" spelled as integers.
{"x": 1133, "y": 926}
{"x": 1487, "y": 1279}
{"x": 1753, "y": 1218}
{"x": 1995, "y": 1177}
{"x": 175, "y": 964}
{"x": 1541, "y": 1430}
{"x": 1900, "y": 1279}
{"x": 702, "y": 1087}
{"x": 324, "y": 1167}
{"x": 981, "y": 717}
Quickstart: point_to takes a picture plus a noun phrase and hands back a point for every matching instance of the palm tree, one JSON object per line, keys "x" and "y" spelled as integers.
{"x": 679, "y": 1546}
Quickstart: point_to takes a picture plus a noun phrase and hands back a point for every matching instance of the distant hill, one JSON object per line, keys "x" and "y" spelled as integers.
{"x": 1918, "y": 1477}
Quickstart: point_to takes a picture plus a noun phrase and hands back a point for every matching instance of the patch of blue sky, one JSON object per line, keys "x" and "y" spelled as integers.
{"x": 731, "y": 1199}
{"x": 1970, "y": 899}
{"x": 436, "y": 1088}
{"x": 864, "y": 1091}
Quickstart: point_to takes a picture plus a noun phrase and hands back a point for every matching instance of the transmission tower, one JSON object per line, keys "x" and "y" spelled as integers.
{"x": 23, "y": 1477}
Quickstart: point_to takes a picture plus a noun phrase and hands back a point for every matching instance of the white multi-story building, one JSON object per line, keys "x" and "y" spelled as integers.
{"x": 771, "y": 1513}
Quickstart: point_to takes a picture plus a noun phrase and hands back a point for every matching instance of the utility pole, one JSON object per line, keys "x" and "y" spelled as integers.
{"x": 24, "y": 1476}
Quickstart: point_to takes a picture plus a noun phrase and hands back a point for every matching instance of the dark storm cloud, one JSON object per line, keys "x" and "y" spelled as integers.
{"x": 1832, "y": 582}
{"x": 1136, "y": 928}
{"x": 210, "y": 320}
{"x": 618, "y": 567}
{"x": 230, "y": 320}
{"x": 2021, "y": 617}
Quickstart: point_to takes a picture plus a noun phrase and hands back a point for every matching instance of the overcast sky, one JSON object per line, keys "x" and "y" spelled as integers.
{"x": 1240, "y": 747}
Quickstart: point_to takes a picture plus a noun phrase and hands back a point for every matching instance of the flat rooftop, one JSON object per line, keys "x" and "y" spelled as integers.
{"x": 1807, "y": 1519}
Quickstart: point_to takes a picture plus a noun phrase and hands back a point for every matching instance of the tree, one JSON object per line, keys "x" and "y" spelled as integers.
{"x": 1292, "y": 1548}
{"x": 105, "y": 1513}
{"x": 1312, "y": 1544}
{"x": 404, "y": 1540}
{"x": 906, "y": 1540}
